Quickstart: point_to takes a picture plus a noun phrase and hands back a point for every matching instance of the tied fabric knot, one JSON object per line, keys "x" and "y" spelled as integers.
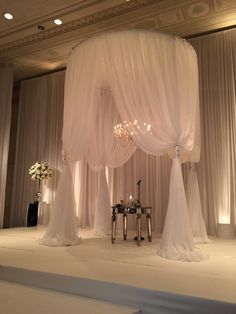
{"x": 66, "y": 159}
{"x": 177, "y": 148}
{"x": 63, "y": 156}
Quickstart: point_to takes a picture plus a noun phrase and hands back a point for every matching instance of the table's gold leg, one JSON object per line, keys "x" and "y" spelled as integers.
{"x": 149, "y": 227}
{"x": 113, "y": 228}
{"x": 138, "y": 217}
{"x": 125, "y": 226}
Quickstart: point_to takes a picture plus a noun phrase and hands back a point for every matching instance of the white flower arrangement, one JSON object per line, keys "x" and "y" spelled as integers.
{"x": 135, "y": 203}
{"x": 40, "y": 171}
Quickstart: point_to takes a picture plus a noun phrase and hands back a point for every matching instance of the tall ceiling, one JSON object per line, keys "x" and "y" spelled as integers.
{"x": 33, "y": 44}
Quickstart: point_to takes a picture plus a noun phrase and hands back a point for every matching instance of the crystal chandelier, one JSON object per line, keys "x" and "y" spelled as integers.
{"x": 124, "y": 131}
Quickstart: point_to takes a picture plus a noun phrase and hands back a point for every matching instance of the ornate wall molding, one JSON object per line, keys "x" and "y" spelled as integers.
{"x": 79, "y": 23}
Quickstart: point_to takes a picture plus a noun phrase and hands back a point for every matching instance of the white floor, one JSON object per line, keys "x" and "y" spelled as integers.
{"x": 125, "y": 263}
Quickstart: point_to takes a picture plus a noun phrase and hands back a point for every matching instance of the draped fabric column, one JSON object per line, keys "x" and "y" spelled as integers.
{"x": 171, "y": 109}
{"x": 62, "y": 228}
{"x": 6, "y": 85}
{"x": 101, "y": 150}
{"x": 38, "y": 139}
{"x": 174, "y": 234}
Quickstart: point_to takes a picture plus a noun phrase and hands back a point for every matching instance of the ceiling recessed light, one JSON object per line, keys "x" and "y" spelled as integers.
{"x": 58, "y": 21}
{"x": 8, "y": 16}
{"x": 41, "y": 27}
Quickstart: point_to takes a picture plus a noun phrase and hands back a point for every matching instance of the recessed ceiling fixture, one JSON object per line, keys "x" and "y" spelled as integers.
{"x": 41, "y": 27}
{"x": 58, "y": 21}
{"x": 8, "y": 16}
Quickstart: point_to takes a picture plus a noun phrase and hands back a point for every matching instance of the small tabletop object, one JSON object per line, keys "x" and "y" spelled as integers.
{"x": 125, "y": 211}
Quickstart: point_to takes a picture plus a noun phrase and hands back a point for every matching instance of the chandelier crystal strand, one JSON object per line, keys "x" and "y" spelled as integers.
{"x": 125, "y": 130}
{"x": 122, "y": 132}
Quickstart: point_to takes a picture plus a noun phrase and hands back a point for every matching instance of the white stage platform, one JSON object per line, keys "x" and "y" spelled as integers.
{"x": 122, "y": 273}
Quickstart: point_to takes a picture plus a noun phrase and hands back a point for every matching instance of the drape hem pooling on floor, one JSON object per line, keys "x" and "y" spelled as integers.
{"x": 62, "y": 229}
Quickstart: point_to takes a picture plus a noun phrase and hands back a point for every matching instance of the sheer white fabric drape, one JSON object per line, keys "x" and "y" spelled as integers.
{"x": 175, "y": 234}
{"x": 145, "y": 71}
{"x": 148, "y": 79}
{"x": 6, "y": 85}
{"x": 197, "y": 223}
{"x": 153, "y": 78}
{"x": 62, "y": 228}
{"x": 217, "y": 95}
{"x": 105, "y": 150}
{"x": 38, "y": 138}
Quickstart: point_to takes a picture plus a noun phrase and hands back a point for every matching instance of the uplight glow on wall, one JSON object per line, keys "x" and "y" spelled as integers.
{"x": 224, "y": 218}
{"x": 224, "y": 201}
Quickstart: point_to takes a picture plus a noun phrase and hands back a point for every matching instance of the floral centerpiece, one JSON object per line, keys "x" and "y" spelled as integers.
{"x": 135, "y": 203}
{"x": 40, "y": 171}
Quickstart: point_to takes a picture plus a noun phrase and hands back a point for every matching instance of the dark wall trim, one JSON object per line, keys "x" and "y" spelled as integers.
{"x": 43, "y": 74}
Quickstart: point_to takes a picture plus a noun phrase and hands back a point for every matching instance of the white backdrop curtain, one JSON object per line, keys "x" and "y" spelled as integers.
{"x": 154, "y": 171}
{"x": 216, "y": 170}
{"x": 151, "y": 83}
{"x": 38, "y": 138}
{"x": 6, "y": 85}
{"x": 122, "y": 182}
{"x": 86, "y": 193}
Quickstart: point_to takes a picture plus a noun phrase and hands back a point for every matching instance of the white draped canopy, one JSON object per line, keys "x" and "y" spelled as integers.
{"x": 126, "y": 76}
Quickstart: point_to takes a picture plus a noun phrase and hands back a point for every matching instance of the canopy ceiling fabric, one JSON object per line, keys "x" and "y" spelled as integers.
{"x": 153, "y": 78}
{"x": 135, "y": 75}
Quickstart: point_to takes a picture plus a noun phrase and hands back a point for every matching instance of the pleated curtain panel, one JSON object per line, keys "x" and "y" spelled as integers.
{"x": 39, "y": 134}
{"x": 217, "y": 65}
{"x": 126, "y": 76}
{"x": 6, "y": 86}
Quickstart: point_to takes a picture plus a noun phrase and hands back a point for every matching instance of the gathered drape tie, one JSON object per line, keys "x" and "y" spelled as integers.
{"x": 66, "y": 160}
{"x": 177, "y": 148}
{"x": 63, "y": 157}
